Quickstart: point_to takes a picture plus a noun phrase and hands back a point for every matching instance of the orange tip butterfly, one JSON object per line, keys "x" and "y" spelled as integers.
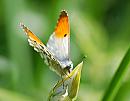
{"x": 57, "y": 51}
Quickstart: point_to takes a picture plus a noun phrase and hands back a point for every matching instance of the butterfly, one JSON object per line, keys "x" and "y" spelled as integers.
{"x": 57, "y": 51}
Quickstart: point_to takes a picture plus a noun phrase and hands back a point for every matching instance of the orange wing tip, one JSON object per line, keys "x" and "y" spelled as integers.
{"x": 62, "y": 27}
{"x": 22, "y": 25}
{"x": 63, "y": 13}
{"x": 30, "y": 34}
{"x": 25, "y": 29}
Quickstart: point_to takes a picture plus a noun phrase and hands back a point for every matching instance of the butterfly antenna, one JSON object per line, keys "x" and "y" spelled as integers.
{"x": 62, "y": 81}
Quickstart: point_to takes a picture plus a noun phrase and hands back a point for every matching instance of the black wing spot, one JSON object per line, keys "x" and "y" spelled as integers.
{"x": 42, "y": 46}
{"x": 65, "y": 35}
{"x": 45, "y": 53}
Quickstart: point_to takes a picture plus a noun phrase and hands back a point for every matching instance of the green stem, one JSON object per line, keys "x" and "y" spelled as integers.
{"x": 117, "y": 79}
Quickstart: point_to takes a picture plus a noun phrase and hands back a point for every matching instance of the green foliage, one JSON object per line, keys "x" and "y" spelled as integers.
{"x": 118, "y": 78}
{"x": 99, "y": 29}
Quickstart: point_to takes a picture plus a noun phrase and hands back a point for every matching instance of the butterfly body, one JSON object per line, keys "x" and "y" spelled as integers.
{"x": 56, "y": 53}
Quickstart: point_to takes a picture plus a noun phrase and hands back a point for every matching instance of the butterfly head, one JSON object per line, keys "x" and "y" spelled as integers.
{"x": 67, "y": 65}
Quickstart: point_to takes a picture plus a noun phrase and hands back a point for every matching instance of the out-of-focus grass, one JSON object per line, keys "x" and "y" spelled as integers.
{"x": 6, "y": 95}
{"x": 118, "y": 78}
{"x": 99, "y": 29}
{"x": 21, "y": 71}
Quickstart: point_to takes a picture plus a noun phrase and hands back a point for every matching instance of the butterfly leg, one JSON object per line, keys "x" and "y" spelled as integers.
{"x": 55, "y": 86}
{"x": 62, "y": 81}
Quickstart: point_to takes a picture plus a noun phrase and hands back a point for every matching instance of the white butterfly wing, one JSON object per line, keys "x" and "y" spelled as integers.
{"x": 59, "y": 41}
{"x": 59, "y": 46}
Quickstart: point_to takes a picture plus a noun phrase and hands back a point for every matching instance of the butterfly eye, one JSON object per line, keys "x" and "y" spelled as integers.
{"x": 70, "y": 66}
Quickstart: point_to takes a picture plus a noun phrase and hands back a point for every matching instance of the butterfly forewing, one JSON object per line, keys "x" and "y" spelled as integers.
{"x": 59, "y": 41}
{"x": 35, "y": 42}
{"x": 57, "y": 52}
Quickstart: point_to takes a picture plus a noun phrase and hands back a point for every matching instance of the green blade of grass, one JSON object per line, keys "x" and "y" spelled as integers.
{"x": 117, "y": 79}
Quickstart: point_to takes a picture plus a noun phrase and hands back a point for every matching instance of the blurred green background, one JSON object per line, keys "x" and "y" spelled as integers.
{"x": 100, "y": 29}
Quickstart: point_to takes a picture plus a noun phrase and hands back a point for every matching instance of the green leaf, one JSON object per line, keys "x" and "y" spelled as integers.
{"x": 117, "y": 79}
